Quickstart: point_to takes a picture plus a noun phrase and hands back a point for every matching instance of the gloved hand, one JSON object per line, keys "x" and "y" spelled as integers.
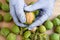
{"x": 47, "y": 9}
{"x": 17, "y": 12}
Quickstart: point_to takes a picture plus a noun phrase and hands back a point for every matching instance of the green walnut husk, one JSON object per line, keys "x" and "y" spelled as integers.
{"x": 42, "y": 29}
{"x": 56, "y": 22}
{"x": 27, "y": 34}
{"x": 4, "y": 31}
{"x": 15, "y": 29}
{"x": 7, "y": 17}
{"x": 48, "y": 24}
{"x": 54, "y": 36}
{"x": 40, "y": 37}
{"x": 26, "y": 39}
{"x": 58, "y": 16}
{"x": 59, "y": 37}
{"x": 11, "y": 36}
{"x": 44, "y": 37}
{"x": 7, "y": 1}
{"x": 57, "y": 29}
{"x": 5, "y": 7}
{"x": 34, "y": 36}
{"x": 22, "y": 30}
{"x": 0, "y": 5}
{"x": 1, "y": 18}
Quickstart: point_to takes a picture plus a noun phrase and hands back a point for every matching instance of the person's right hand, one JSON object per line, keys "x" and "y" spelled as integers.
{"x": 17, "y": 12}
{"x": 46, "y": 9}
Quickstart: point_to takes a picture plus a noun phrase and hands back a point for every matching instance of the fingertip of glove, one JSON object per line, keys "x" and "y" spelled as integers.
{"x": 30, "y": 28}
{"x": 23, "y": 21}
{"x": 28, "y": 8}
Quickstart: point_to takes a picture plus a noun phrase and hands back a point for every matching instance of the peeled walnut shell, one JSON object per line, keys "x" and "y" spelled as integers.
{"x": 30, "y": 17}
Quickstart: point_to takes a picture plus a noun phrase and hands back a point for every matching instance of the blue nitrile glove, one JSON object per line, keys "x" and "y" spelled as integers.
{"x": 17, "y": 12}
{"x": 47, "y": 9}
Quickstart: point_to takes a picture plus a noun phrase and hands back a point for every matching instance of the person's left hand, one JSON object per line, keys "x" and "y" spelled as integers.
{"x": 17, "y": 12}
{"x": 47, "y": 9}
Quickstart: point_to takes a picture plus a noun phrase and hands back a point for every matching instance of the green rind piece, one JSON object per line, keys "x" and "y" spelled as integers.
{"x": 5, "y": 7}
{"x": 57, "y": 29}
{"x": 4, "y": 31}
{"x": 11, "y": 36}
{"x": 1, "y": 18}
{"x": 48, "y": 24}
{"x": 7, "y": 17}
{"x": 15, "y": 29}
{"x": 56, "y": 22}
{"x": 54, "y": 36}
{"x": 27, "y": 34}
